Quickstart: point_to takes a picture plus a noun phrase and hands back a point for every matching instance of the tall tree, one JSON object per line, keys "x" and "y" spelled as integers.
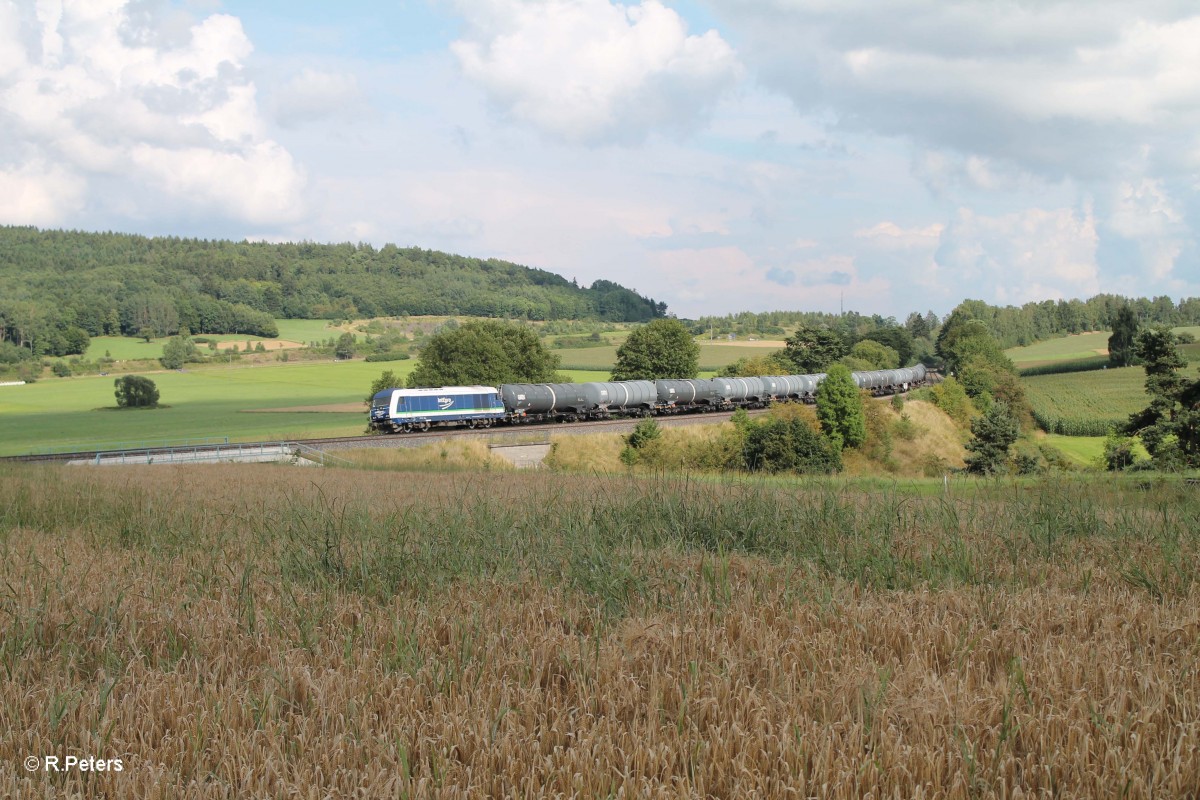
{"x": 663, "y": 348}
{"x": 178, "y": 351}
{"x": 1122, "y": 345}
{"x": 1170, "y": 425}
{"x": 813, "y": 349}
{"x": 840, "y": 408}
{"x": 485, "y": 353}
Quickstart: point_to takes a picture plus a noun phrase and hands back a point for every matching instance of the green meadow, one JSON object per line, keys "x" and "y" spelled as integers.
{"x": 305, "y": 330}
{"x": 1077, "y": 348}
{"x": 1067, "y": 348}
{"x": 132, "y": 348}
{"x": 73, "y": 413}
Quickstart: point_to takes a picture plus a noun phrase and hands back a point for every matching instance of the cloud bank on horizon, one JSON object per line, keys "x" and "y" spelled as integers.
{"x": 720, "y": 155}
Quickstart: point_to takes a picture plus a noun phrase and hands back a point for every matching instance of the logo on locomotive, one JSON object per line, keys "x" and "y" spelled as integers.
{"x": 445, "y": 402}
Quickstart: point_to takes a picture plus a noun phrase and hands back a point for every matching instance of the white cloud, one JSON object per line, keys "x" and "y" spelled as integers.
{"x": 1145, "y": 213}
{"x": 593, "y": 71}
{"x": 890, "y": 236}
{"x": 1061, "y": 87}
{"x": 315, "y": 94}
{"x": 1014, "y": 258}
{"x": 140, "y": 97}
{"x": 37, "y": 194}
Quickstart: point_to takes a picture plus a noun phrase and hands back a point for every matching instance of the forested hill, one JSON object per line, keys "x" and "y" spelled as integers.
{"x": 107, "y": 278}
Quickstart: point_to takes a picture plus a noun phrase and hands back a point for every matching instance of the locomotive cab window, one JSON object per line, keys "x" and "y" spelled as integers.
{"x": 380, "y": 401}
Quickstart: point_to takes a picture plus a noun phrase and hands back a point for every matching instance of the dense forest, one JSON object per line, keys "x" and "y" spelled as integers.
{"x": 57, "y": 288}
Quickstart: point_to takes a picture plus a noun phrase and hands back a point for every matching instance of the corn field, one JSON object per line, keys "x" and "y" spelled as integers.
{"x": 1086, "y": 403}
{"x": 249, "y": 631}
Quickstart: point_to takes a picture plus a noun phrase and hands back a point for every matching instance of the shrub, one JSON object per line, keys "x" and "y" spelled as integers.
{"x": 905, "y": 428}
{"x": 994, "y": 433}
{"x": 391, "y": 355}
{"x": 934, "y": 466}
{"x": 789, "y": 445}
{"x": 643, "y": 442}
{"x": 1118, "y": 451}
{"x": 61, "y": 368}
{"x": 950, "y": 397}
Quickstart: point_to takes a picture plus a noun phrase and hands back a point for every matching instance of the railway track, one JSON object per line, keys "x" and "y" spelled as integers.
{"x": 505, "y": 434}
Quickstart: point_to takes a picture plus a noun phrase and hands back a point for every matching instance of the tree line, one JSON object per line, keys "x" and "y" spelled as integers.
{"x": 1012, "y": 326}
{"x": 59, "y": 288}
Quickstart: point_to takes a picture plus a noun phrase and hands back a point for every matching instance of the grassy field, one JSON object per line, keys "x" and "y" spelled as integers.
{"x": 204, "y": 401}
{"x": 1068, "y": 348}
{"x": 254, "y": 631}
{"x": 128, "y": 348}
{"x": 1079, "y": 347}
{"x": 1086, "y": 403}
{"x": 306, "y": 330}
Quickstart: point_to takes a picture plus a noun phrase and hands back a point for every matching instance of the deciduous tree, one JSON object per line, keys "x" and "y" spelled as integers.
{"x": 663, "y": 348}
{"x": 484, "y": 353}
{"x": 840, "y": 409}
{"x": 813, "y": 349}
{"x": 136, "y": 391}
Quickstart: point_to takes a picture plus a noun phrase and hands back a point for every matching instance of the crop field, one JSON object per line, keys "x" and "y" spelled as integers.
{"x": 1086, "y": 403}
{"x": 242, "y": 631}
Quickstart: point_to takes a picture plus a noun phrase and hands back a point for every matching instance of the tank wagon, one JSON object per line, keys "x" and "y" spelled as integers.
{"x": 396, "y": 410}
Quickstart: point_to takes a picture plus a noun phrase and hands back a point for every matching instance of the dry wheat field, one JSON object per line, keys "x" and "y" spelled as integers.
{"x": 250, "y": 631}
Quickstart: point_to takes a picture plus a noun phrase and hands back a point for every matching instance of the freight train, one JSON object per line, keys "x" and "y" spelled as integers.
{"x": 406, "y": 410}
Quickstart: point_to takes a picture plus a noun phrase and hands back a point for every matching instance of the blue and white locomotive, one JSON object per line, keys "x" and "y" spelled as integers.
{"x": 396, "y": 410}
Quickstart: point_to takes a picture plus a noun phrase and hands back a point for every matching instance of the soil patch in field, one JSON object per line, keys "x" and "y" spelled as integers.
{"x": 268, "y": 344}
{"x": 776, "y": 343}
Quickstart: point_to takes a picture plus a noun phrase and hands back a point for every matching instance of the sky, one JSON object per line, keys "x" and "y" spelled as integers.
{"x": 887, "y": 156}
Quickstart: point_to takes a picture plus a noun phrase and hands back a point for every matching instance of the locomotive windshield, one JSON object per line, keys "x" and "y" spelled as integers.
{"x": 381, "y": 400}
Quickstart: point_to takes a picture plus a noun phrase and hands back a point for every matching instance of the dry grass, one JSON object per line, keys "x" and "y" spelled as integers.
{"x": 936, "y": 440}
{"x": 935, "y": 447}
{"x": 450, "y": 454}
{"x": 241, "y": 631}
